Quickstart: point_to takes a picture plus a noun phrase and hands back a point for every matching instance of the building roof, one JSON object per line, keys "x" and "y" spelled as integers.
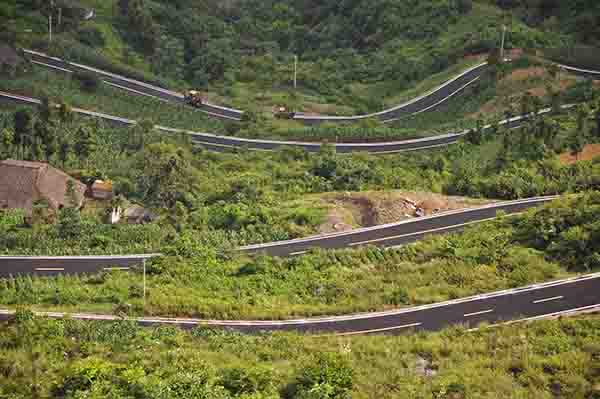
{"x": 9, "y": 55}
{"x": 102, "y": 185}
{"x": 23, "y": 182}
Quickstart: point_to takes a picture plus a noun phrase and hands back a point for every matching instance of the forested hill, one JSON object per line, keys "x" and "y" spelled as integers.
{"x": 580, "y": 18}
{"x": 395, "y": 43}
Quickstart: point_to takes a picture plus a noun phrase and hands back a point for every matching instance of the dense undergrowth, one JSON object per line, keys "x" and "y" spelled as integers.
{"x": 199, "y": 278}
{"x": 354, "y": 55}
{"x": 74, "y": 359}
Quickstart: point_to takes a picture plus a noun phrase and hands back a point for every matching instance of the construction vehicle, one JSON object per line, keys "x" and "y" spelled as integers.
{"x": 194, "y": 98}
{"x": 283, "y": 113}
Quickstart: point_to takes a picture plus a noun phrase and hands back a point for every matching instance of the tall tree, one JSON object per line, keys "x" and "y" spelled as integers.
{"x": 69, "y": 218}
{"x": 23, "y": 125}
{"x": 86, "y": 143}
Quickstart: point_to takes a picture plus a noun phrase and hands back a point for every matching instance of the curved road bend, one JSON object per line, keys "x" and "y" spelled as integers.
{"x": 53, "y": 265}
{"x": 399, "y": 233}
{"x": 226, "y": 143}
{"x": 424, "y": 103}
{"x": 527, "y": 303}
{"x": 587, "y": 73}
{"x": 388, "y": 235}
{"x": 421, "y": 104}
{"x": 130, "y": 85}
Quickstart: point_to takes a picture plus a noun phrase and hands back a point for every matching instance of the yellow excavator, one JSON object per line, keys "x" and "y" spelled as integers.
{"x": 194, "y": 98}
{"x": 282, "y": 112}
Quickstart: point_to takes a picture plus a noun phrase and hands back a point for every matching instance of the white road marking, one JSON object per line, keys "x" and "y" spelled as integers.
{"x": 116, "y": 268}
{"x": 370, "y": 331}
{"x": 298, "y": 253}
{"x": 419, "y": 232}
{"x": 52, "y": 66}
{"x": 556, "y": 298}
{"x": 590, "y": 308}
{"x": 478, "y": 313}
{"x": 49, "y": 269}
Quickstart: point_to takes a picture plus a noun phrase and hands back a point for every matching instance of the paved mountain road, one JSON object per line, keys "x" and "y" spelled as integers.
{"x": 215, "y": 142}
{"x": 54, "y": 265}
{"x": 525, "y": 303}
{"x": 132, "y": 86}
{"x": 400, "y": 233}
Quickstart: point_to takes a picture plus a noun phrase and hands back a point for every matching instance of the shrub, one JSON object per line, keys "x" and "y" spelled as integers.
{"x": 329, "y": 376}
{"x": 89, "y": 81}
{"x": 91, "y": 36}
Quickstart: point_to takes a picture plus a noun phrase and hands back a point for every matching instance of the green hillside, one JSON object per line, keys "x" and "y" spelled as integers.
{"x": 242, "y": 52}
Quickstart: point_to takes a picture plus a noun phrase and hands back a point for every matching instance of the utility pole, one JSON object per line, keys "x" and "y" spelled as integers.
{"x": 144, "y": 264}
{"x": 502, "y": 46}
{"x": 295, "y": 71}
{"x": 59, "y": 17}
{"x": 50, "y": 20}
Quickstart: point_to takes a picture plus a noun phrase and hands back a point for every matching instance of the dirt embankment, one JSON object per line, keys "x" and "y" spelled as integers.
{"x": 365, "y": 209}
{"x": 590, "y": 151}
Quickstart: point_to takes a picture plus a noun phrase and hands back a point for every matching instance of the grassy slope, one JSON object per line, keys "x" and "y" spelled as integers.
{"x": 536, "y": 360}
{"x": 479, "y": 20}
{"x": 317, "y": 284}
{"x": 109, "y": 100}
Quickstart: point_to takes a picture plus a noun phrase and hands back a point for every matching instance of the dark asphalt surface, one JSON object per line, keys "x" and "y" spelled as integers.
{"x": 397, "y": 233}
{"x": 224, "y": 143}
{"x": 428, "y": 102}
{"x": 549, "y": 299}
{"x": 49, "y": 266}
{"x": 489, "y": 308}
{"x": 142, "y": 87}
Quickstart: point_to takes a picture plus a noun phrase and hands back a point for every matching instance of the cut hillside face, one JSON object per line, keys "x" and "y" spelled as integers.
{"x": 589, "y": 152}
{"x": 532, "y": 80}
{"x": 353, "y": 210}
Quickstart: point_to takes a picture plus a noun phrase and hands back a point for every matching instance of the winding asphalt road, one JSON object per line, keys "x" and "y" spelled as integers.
{"x": 388, "y": 235}
{"x": 424, "y": 103}
{"x": 418, "y": 105}
{"x": 54, "y": 265}
{"x": 226, "y": 143}
{"x": 399, "y": 233}
{"x": 503, "y": 307}
{"x": 130, "y": 85}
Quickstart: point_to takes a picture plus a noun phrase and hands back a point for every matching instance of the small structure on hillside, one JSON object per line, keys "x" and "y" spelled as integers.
{"x": 24, "y": 184}
{"x": 102, "y": 190}
{"x": 137, "y": 214}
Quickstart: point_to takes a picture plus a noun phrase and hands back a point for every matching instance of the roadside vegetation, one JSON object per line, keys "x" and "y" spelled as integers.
{"x": 74, "y": 359}
{"x": 354, "y": 57}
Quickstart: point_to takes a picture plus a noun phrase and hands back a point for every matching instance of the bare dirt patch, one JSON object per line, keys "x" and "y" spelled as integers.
{"x": 365, "y": 209}
{"x": 590, "y": 151}
{"x": 526, "y": 73}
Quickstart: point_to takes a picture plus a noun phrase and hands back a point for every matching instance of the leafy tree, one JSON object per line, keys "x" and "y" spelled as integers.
{"x": 576, "y": 143}
{"x": 90, "y": 82}
{"x": 168, "y": 58}
{"x": 64, "y": 149}
{"x": 23, "y": 124}
{"x": 69, "y": 218}
{"x": 167, "y": 174}
{"x": 7, "y": 141}
{"x": 597, "y": 120}
{"x": 86, "y": 142}
{"x": 328, "y": 377}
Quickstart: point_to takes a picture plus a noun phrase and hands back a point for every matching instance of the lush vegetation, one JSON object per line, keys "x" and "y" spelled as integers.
{"x": 73, "y": 359}
{"x": 197, "y": 278}
{"x": 355, "y": 54}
